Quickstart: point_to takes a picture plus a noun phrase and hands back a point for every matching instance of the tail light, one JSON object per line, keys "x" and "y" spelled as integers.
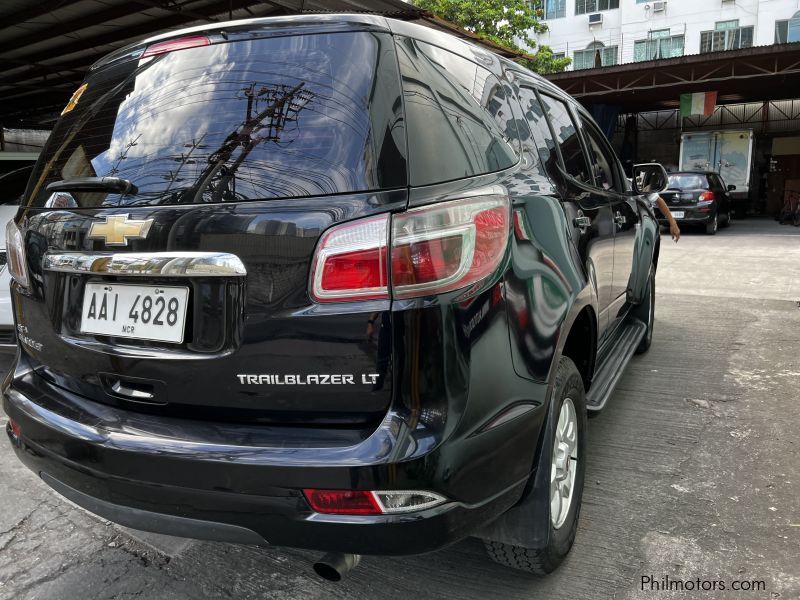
{"x": 351, "y": 262}
{"x": 433, "y": 249}
{"x": 365, "y": 502}
{"x": 177, "y": 44}
{"x": 15, "y": 247}
{"x": 706, "y": 196}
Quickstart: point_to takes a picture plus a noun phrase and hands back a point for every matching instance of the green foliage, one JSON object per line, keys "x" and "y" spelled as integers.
{"x": 505, "y": 22}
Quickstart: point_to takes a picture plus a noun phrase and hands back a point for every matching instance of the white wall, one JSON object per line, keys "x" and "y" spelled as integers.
{"x": 632, "y": 21}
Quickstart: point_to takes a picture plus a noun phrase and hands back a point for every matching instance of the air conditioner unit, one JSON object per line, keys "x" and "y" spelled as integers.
{"x": 596, "y": 19}
{"x": 659, "y": 6}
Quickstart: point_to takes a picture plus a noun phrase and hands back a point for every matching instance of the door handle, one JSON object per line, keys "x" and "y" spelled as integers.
{"x": 620, "y": 219}
{"x": 582, "y": 222}
{"x": 130, "y": 392}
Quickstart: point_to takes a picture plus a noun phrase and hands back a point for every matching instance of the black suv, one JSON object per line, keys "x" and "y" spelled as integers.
{"x": 335, "y": 282}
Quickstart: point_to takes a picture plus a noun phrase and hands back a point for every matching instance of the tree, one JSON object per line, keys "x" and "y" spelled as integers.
{"x": 505, "y": 22}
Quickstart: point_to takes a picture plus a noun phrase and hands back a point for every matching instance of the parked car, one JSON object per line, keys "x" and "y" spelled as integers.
{"x": 12, "y": 187}
{"x": 698, "y": 198}
{"x": 356, "y": 294}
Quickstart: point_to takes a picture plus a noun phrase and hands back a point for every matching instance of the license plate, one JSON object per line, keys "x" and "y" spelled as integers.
{"x": 678, "y": 214}
{"x": 143, "y": 312}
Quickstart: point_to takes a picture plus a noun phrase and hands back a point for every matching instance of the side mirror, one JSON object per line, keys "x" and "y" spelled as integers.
{"x": 731, "y": 187}
{"x": 649, "y": 178}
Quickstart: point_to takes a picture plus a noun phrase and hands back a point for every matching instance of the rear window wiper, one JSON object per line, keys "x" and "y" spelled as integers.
{"x": 94, "y": 184}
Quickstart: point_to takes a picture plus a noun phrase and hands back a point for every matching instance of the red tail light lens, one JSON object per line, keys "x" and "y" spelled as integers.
{"x": 343, "y": 502}
{"x": 362, "y": 502}
{"x": 706, "y": 196}
{"x": 351, "y": 262}
{"x": 448, "y": 246}
{"x": 434, "y": 249}
{"x": 177, "y": 44}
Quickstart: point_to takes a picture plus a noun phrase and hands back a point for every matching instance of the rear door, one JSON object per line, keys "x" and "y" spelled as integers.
{"x": 587, "y": 207}
{"x": 188, "y": 296}
{"x": 608, "y": 176}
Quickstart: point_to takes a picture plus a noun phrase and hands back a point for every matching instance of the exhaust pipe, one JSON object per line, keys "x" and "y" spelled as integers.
{"x": 334, "y": 565}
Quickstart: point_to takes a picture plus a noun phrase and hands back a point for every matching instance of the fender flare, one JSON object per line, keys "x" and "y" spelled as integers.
{"x": 647, "y": 245}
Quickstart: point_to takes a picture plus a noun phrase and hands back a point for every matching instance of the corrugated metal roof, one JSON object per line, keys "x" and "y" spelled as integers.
{"x": 46, "y": 47}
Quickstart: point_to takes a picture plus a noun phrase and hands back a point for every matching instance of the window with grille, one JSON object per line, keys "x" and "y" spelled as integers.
{"x": 588, "y": 6}
{"x": 788, "y": 30}
{"x": 555, "y": 9}
{"x": 659, "y": 44}
{"x": 726, "y": 36}
{"x": 595, "y": 55}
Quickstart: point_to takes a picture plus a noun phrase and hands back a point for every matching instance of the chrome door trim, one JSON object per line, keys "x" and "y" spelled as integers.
{"x": 147, "y": 264}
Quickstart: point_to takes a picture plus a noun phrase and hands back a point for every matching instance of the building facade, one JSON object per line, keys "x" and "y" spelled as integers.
{"x": 596, "y": 33}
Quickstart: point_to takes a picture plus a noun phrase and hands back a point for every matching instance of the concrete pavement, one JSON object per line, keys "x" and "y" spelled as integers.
{"x": 694, "y": 472}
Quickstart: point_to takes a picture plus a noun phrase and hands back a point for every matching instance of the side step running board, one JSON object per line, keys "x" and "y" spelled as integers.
{"x": 613, "y": 364}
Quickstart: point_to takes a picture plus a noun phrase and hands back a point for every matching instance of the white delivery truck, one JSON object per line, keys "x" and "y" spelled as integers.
{"x": 727, "y": 152}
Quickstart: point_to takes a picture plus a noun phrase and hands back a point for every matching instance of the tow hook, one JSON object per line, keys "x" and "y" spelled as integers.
{"x": 335, "y": 565}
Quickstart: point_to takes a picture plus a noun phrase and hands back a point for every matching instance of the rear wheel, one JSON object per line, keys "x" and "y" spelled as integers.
{"x": 713, "y": 225}
{"x": 564, "y": 456}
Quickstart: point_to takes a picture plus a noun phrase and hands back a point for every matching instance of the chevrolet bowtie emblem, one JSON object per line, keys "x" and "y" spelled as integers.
{"x": 118, "y": 229}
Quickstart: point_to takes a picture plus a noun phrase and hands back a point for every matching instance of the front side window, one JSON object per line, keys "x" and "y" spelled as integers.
{"x": 588, "y": 6}
{"x": 458, "y": 115}
{"x": 596, "y": 55}
{"x": 601, "y": 158}
{"x": 659, "y": 44}
{"x": 568, "y": 140}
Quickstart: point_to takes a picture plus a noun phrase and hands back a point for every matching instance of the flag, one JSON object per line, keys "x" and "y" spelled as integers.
{"x": 698, "y": 104}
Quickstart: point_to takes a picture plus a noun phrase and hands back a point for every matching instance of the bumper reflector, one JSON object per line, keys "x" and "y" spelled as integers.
{"x": 363, "y": 502}
{"x": 14, "y": 429}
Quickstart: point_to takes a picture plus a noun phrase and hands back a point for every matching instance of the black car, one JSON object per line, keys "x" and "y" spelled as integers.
{"x": 334, "y": 282}
{"x": 698, "y": 198}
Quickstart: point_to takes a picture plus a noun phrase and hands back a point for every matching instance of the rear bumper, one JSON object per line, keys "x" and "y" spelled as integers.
{"x": 122, "y": 467}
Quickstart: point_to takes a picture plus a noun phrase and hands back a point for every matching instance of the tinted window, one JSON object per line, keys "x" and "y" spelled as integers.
{"x": 568, "y": 140}
{"x": 688, "y": 181}
{"x": 460, "y": 121}
{"x": 601, "y": 158}
{"x": 266, "y": 118}
{"x": 534, "y": 114}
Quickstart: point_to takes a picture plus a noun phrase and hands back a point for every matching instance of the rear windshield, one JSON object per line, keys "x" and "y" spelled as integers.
{"x": 688, "y": 181}
{"x": 269, "y": 118}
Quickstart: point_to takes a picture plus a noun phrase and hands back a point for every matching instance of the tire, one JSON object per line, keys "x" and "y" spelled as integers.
{"x": 713, "y": 226}
{"x": 568, "y": 398}
{"x": 646, "y": 311}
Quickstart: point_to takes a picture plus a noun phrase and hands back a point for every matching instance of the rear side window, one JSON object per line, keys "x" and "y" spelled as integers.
{"x": 534, "y": 115}
{"x": 567, "y": 138}
{"x": 279, "y": 117}
{"x": 460, "y": 121}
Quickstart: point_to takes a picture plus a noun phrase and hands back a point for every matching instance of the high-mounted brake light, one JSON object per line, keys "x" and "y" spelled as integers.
{"x": 15, "y": 248}
{"x": 432, "y": 250}
{"x": 176, "y": 44}
{"x": 364, "y": 502}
